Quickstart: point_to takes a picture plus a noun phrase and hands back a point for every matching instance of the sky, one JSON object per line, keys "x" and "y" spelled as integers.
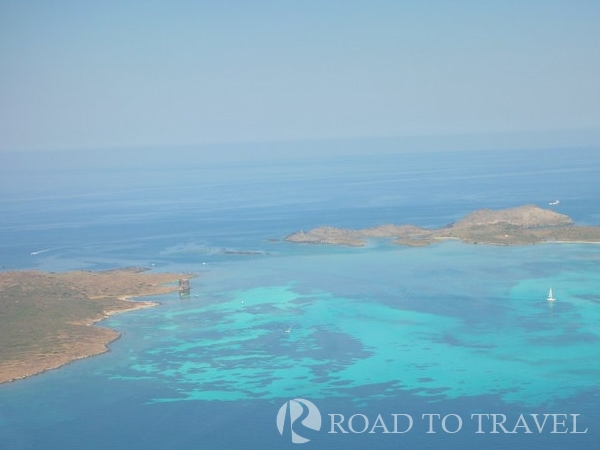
{"x": 118, "y": 74}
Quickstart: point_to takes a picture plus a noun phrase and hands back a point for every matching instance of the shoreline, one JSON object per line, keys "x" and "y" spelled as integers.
{"x": 116, "y": 335}
{"x": 522, "y": 225}
{"x": 89, "y": 296}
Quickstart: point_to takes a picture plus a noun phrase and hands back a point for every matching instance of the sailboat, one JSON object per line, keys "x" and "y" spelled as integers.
{"x": 551, "y": 296}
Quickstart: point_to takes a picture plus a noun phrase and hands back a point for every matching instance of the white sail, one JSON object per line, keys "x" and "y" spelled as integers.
{"x": 551, "y": 296}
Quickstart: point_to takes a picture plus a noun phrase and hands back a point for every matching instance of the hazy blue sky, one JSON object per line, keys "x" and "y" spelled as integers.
{"x": 84, "y": 74}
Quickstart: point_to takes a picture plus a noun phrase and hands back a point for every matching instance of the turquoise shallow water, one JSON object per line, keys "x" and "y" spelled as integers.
{"x": 450, "y": 329}
{"x": 316, "y": 326}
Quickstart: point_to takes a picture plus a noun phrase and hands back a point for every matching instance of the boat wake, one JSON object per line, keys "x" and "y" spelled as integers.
{"x": 37, "y": 252}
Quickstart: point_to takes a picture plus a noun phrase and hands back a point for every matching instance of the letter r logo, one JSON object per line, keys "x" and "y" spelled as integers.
{"x": 300, "y": 410}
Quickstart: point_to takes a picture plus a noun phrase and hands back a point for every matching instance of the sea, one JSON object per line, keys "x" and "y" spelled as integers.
{"x": 284, "y": 346}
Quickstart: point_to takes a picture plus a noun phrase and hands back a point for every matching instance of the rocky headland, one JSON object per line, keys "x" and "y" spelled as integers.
{"x": 47, "y": 319}
{"x": 522, "y": 225}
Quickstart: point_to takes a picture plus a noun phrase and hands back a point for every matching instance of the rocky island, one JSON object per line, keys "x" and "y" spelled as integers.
{"x": 522, "y": 225}
{"x": 46, "y": 319}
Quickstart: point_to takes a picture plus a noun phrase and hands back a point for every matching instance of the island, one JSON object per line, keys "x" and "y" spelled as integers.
{"x": 523, "y": 225}
{"x": 47, "y": 319}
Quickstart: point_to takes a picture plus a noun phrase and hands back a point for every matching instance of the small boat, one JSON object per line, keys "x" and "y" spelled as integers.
{"x": 288, "y": 330}
{"x": 554, "y": 202}
{"x": 551, "y": 297}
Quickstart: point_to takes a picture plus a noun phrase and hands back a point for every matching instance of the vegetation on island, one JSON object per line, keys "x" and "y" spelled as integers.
{"x": 46, "y": 318}
{"x": 523, "y": 225}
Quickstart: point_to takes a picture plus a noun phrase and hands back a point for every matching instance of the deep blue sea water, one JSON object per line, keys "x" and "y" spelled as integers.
{"x": 451, "y": 329}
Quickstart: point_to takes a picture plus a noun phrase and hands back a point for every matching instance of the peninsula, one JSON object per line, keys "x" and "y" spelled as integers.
{"x": 522, "y": 225}
{"x": 46, "y": 319}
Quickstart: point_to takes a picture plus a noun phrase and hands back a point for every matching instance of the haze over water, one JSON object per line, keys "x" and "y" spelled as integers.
{"x": 451, "y": 328}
